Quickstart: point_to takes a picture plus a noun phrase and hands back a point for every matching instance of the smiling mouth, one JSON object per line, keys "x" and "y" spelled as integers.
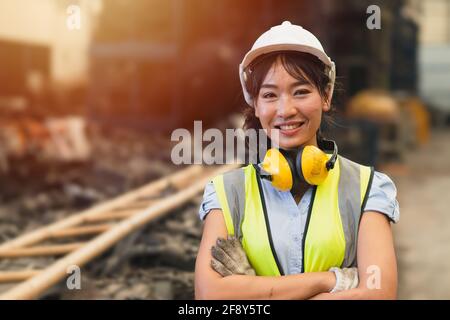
{"x": 289, "y": 126}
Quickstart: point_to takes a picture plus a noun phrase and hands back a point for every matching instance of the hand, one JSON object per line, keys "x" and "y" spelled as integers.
{"x": 346, "y": 279}
{"x": 229, "y": 258}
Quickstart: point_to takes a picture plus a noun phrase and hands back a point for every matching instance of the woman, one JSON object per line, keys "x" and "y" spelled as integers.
{"x": 326, "y": 240}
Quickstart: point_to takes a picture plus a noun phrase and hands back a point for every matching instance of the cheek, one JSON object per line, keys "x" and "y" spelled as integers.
{"x": 312, "y": 108}
{"x": 265, "y": 113}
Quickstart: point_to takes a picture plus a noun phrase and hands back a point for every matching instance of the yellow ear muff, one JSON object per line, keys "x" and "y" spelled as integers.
{"x": 313, "y": 165}
{"x": 277, "y": 166}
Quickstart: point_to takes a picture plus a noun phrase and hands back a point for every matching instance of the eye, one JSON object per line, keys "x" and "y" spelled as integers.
{"x": 268, "y": 95}
{"x": 301, "y": 92}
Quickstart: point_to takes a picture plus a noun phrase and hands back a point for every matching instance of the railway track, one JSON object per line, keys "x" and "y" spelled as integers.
{"x": 104, "y": 225}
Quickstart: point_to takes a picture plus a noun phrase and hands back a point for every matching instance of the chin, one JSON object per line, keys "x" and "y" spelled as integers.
{"x": 290, "y": 144}
{"x": 286, "y": 142}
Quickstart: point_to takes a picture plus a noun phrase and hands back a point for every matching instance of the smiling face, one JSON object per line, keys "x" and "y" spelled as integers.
{"x": 292, "y": 106}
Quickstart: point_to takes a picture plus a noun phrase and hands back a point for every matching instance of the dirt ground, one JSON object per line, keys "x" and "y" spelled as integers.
{"x": 422, "y": 236}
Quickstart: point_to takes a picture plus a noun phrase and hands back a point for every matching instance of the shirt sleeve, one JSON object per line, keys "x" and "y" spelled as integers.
{"x": 210, "y": 200}
{"x": 383, "y": 197}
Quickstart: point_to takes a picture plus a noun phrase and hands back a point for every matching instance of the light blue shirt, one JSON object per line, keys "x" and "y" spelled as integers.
{"x": 287, "y": 219}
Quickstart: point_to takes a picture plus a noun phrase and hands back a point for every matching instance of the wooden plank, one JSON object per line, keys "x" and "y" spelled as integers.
{"x": 17, "y": 276}
{"x": 110, "y": 216}
{"x": 46, "y": 250}
{"x": 135, "y": 206}
{"x": 78, "y": 231}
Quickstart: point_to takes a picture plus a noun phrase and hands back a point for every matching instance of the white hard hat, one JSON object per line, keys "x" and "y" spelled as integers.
{"x": 285, "y": 37}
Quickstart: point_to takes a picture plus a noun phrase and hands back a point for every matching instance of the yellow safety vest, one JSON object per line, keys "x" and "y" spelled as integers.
{"x": 331, "y": 229}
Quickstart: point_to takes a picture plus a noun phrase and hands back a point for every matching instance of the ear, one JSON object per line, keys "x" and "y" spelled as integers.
{"x": 327, "y": 103}
{"x": 255, "y": 106}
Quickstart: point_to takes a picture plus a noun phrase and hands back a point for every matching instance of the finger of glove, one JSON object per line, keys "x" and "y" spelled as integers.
{"x": 355, "y": 283}
{"x": 339, "y": 285}
{"x": 347, "y": 272}
{"x": 219, "y": 254}
{"x": 350, "y": 270}
{"x": 236, "y": 251}
{"x": 220, "y": 268}
{"x": 242, "y": 256}
{"x": 250, "y": 272}
{"x": 351, "y": 273}
{"x": 233, "y": 250}
{"x": 355, "y": 277}
{"x": 239, "y": 255}
{"x": 350, "y": 276}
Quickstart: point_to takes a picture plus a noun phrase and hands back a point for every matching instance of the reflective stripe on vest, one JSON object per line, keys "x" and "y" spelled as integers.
{"x": 332, "y": 225}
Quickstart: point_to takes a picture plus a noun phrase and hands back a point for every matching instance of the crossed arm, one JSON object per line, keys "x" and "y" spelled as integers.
{"x": 375, "y": 248}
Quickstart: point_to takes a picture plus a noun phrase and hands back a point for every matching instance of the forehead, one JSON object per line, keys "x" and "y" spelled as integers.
{"x": 278, "y": 74}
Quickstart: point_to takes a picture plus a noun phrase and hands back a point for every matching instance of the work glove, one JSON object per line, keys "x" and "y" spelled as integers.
{"x": 230, "y": 258}
{"x": 346, "y": 279}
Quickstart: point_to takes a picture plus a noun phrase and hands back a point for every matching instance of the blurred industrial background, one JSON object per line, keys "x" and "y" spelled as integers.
{"x": 87, "y": 111}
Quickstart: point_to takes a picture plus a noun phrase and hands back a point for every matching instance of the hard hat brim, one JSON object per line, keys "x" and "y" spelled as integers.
{"x": 253, "y": 54}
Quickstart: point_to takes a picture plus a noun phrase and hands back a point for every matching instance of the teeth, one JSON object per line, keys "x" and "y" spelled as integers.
{"x": 290, "y": 127}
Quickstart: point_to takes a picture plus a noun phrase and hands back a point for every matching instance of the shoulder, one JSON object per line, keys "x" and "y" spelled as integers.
{"x": 233, "y": 179}
{"x": 382, "y": 193}
{"x": 210, "y": 199}
{"x": 382, "y": 197}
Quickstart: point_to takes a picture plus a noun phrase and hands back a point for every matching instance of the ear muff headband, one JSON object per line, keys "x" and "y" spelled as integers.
{"x": 290, "y": 157}
{"x": 330, "y": 145}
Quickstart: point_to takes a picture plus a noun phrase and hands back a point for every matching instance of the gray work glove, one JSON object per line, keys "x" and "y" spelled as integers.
{"x": 230, "y": 258}
{"x": 346, "y": 279}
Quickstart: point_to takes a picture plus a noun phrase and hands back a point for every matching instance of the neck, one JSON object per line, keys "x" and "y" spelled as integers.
{"x": 298, "y": 192}
{"x": 310, "y": 142}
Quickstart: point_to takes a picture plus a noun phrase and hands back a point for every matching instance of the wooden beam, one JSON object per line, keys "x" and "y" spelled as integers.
{"x": 17, "y": 276}
{"x": 135, "y": 206}
{"x": 110, "y": 216}
{"x": 78, "y": 231}
{"x": 46, "y": 250}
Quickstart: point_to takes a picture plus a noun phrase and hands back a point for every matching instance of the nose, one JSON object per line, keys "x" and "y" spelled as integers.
{"x": 286, "y": 107}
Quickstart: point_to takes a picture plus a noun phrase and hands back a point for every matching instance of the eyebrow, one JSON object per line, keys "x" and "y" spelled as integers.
{"x": 294, "y": 84}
